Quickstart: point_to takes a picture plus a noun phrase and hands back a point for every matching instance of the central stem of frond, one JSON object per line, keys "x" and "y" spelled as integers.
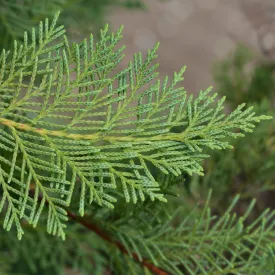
{"x": 91, "y": 137}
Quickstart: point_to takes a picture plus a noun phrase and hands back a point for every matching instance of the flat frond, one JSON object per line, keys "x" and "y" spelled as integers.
{"x": 71, "y": 122}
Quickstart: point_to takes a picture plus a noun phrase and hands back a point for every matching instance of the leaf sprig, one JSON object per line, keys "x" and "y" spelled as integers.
{"x": 72, "y": 125}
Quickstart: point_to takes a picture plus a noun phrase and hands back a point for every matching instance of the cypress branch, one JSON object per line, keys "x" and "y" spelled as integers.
{"x": 154, "y": 269}
{"x": 114, "y": 127}
{"x": 76, "y": 136}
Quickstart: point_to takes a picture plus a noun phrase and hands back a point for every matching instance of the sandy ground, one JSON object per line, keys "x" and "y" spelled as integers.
{"x": 195, "y": 33}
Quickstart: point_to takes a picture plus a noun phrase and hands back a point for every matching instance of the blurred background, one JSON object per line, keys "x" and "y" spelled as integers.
{"x": 197, "y": 33}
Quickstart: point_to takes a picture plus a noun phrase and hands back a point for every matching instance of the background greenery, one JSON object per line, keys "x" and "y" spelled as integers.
{"x": 85, "y": 15}
{"x": 248, "y": 169}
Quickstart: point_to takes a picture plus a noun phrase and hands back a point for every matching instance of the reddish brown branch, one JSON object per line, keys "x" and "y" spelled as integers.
{"x": 92, "y": 227}
{"x": 156, "y": 270}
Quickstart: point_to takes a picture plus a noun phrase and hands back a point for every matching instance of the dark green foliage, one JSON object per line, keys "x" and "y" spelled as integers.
{"x": 190, "y": 241}
{"x": 245, "y": 78}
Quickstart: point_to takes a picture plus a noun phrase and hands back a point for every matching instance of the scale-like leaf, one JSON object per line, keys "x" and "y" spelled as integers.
{"x": 70, "y": 122}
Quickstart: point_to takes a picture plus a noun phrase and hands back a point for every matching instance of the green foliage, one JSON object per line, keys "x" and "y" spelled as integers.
{"x": 74, "y": 253}
{"x": 197, "y": 244}
{"x": 191, "y": 241}
{"x": 241, "y": 78}
{"x": 77, "y": 135}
